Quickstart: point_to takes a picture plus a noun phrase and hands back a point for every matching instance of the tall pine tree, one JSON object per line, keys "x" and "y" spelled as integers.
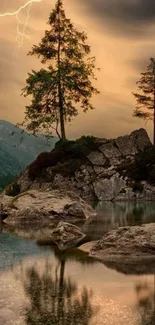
{"x": 145, "y": 107}
{"x": 58, "y": 90}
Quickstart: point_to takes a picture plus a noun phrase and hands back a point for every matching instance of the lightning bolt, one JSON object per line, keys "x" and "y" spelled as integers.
{"x": 21, "y": 33}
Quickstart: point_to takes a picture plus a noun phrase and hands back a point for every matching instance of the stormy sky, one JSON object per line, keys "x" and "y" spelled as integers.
{"x": 122, "y": 36}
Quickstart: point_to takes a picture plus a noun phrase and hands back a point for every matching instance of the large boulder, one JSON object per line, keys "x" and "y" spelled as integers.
{"x": 128, "y": 243}
{"x": 45, "y": 207}
{"x": 129, "y": 250}
{"x": 103, "y": 170}
{"x": 66, "y": 235}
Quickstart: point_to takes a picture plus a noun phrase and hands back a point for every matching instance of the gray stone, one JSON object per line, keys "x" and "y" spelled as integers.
{"x": 105, "y": 172}
{"x": 24, "y": 181}
{"x": 126, "y": 243}
{"x": 82, "y": 175}
{"x": 101, "y": 174}
{"x": 99, "y": 170}
{"x": 141, "y": 139}
{"x": 61, "y": 182}
{"x": 97, "y": 158}
{"x": 82, "y": 178}
{"x": 116, "y": 161}
{"x": 148, "y": 191}
{"x": 109, "y": 150}
{"x": 126, "y": 145}
{"x": 66, "y": 235}
{"x": 108, "y": 189}
{"x": 90, "y": 170}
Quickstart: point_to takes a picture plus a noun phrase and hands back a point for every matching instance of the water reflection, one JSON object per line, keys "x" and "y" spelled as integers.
{"x": 55, "y": 299}
{"x": 57, "y": 289}
{"x": 146, "y": 302}
{"x": 53, "y": 287}
{"x": 136, "y": 266}
{"x": 118, "y": 214}
{"x": 109, "y": 216}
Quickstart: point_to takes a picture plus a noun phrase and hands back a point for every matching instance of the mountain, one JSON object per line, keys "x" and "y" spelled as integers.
{"x": 18, "y": 149}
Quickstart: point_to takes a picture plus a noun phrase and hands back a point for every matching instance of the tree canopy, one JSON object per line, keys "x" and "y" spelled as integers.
{"x": 145, "y": 99}
{"x": 58, "y": 91}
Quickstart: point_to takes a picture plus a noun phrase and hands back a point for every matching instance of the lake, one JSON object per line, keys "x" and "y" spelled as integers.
{"x": 39, "y": 285}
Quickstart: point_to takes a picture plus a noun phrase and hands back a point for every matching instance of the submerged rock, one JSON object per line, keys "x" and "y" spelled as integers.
{"x": 45, "y": 207}
{"x": 66, "y": 235}
{"x": 86, "y": 247}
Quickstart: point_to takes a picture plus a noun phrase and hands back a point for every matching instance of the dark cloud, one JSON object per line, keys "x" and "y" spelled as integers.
{"x": 125, "y": 16}
{"x": 120, "y": 61}
{"x": 139, "y": 64}
{"x": 127, "y": 10}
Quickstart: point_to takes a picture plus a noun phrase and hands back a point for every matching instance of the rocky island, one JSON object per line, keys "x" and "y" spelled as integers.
{"x": 95, "y": 169}
{"x": 55, "y": 191}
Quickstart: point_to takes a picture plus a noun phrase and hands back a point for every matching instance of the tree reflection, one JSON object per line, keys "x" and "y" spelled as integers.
{"x": 55, "y": 300}
{"x": 135, "y": 217}
{"x": 146, "y": 303}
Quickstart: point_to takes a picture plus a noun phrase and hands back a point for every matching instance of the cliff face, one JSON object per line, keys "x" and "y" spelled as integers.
{"x": 102, "y": 175}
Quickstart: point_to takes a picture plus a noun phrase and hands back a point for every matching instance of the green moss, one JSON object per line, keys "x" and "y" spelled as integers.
{"x": 65, "y": 158}
{"x": 12, "y": 189}
{"x": 11, "y": 205}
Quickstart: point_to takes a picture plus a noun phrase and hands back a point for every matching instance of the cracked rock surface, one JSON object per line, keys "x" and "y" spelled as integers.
{"x": 99, "y": 177}
{"x": 45, "y": 207}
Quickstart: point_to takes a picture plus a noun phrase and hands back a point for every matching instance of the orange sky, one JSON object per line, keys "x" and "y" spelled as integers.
{"x": 121, "y": 33}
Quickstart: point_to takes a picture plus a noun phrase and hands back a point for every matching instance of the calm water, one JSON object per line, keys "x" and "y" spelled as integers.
{"x": 42, "y": 286}
{"x": 118, "y": 214}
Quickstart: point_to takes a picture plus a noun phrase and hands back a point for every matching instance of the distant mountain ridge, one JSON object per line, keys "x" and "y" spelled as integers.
{"x": 18, "y": 148}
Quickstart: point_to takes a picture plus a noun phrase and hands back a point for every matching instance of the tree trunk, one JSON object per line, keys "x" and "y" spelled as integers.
{"x": 62, "y": 123}
{"x": 154, "y": 114}
{"x": 60, "y": 95}
{"x": 154, "y": 126}
{"x": 61, "y": 292}
{"x": 62, "y": 272}
{"x": 154, "y": 107}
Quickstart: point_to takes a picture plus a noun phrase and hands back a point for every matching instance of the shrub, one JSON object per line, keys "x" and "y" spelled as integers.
{"x": 137, "y": 187}
{"x": 13, "y": 189}
{"x": 143, "y": 168}
{"x": 66, "y": 157}
{"x": 67, "y": 168}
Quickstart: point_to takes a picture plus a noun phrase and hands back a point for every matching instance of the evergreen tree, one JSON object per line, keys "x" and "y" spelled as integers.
{"x": 67, "y": 82}
{"x": 145, "y": 107}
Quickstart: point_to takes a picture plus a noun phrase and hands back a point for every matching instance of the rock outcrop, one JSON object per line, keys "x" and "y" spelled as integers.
{"x": 126, "y": 243}
{"x": 99, "y": 176}
{"x": 66, "y": 235}
{"x": 129, "y": 250}
{"x": 45, "y": 207}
